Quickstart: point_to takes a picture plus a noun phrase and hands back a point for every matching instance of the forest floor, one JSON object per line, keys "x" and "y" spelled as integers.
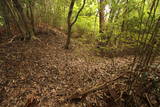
{"x": 44, "y": 70}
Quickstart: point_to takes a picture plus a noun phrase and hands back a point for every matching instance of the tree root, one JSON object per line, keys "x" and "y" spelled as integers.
{"x": 35, "y": 38}
{"x": 14, "y": 37}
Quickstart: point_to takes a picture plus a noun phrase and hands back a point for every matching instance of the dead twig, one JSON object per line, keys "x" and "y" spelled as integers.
{"x": 9, "y": 41}
{"x": 148, "y": 99}
{"x": 32, "y": 102}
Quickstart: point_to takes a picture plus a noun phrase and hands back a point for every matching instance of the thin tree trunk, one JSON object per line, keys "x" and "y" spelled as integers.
{"x": 101, "y": 16}
{"x": 124, "y": 23}
{"x": 68, "y": 38}
{"x": 71, "y": 23}
{"x": 32, "y": 15}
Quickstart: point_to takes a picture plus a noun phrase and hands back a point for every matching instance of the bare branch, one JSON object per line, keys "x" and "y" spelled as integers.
{"x": 84, "y": 2}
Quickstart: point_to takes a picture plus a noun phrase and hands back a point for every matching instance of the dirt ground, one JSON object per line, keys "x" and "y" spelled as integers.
{"x": 46, "y": 71}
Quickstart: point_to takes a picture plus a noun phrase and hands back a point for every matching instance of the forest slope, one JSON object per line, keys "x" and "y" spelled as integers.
{"x": 45, "y": 70}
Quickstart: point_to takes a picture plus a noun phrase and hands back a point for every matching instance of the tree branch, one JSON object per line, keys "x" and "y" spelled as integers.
{"x": 84, "y": 2}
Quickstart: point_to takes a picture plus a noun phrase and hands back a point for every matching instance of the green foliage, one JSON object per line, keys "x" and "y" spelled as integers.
{"x": 85, "y": 24}
{"x": 126, "y": 20}
{"x": 1, "y": 21}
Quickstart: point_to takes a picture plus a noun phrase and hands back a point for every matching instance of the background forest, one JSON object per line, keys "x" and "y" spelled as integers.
{"x": 110, "y": 48}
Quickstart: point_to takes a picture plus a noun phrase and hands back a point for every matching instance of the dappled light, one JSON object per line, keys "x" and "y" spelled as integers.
{"x": 79, "y": 53}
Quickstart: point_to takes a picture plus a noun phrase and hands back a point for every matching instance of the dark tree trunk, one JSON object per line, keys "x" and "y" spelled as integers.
{"x": 71, "y": 23}
{"x": 6, "y": 17}
{"x": 124, "y": 22}
{"x": 68, "y": 38}
{"x": 101, "y": 16}
{"x": 29, "y": 31}
{"x": 8, "y": 4}
{"x": 31, "y": 4}
{"x": 122, "y": 26}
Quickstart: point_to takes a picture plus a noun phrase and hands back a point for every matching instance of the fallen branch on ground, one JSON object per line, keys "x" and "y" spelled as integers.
{"x": 79, "y": 96}
{"x": 9, "y": 41}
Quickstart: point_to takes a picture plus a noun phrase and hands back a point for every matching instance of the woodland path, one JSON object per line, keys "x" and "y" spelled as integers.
{"x": 45, "y": 70}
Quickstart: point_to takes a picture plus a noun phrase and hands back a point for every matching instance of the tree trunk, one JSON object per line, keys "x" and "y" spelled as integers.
{"x": 68, "y": 38}
{"x": 8, "y": 5}
{"x": 31, "y": 4}
{"x": 101, "y": 16}
{"x": 29, "y": 31}
{"x": 124, "y": 22}
{"x": 6, "y": 17}
{"x": 71, "y": 23}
